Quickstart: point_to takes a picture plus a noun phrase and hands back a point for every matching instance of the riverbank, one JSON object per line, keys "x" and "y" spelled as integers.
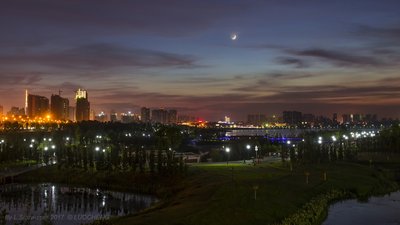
{"x": 237, "y": 193}
{"x": 161, "y": 186}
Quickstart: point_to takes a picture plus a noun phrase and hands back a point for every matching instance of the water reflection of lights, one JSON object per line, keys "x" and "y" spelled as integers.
{"x": 104, "y": 201}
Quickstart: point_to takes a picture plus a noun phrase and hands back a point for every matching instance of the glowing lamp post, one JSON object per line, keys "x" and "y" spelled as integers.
{"x": 248, "y": 147}
{"x": 227, "y": 150}
{"x": 256, "y": 149}
{"x": 2, "y": 143}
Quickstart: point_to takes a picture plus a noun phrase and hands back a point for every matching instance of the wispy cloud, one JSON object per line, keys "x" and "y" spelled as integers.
{"x": 15, "y": 78}
{"x": 391, "y": 35}
{"x": 99, "y": 57}
{"x": 339, "y": 58}
{"x": 296, "y": 62}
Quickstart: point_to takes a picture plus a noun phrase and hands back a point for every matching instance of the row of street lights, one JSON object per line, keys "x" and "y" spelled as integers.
{"x": 248, "y": 147}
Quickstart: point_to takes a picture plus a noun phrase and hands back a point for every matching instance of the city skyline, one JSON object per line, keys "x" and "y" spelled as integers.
{"x": 55, "y": 112}
{"x": 206, "y": 58}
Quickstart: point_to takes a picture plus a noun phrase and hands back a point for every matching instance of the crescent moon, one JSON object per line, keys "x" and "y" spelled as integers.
{"x": 233, "y": 37}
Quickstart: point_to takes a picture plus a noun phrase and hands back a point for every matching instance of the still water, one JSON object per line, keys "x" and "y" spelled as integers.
{"x": 66, "y": 205}
{"x": 377, "y": 211}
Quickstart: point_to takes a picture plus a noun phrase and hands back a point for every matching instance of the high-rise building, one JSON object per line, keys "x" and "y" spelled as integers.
{"x": 292, "y": 117}
{"x": 1, "y": 110}
{"x": 334, "y": 118}
{"x": 256, "y": 119}
{"x": 72, "y": 113}
{"x": 145, "y": 115}
{"x": 82, "y": 105}
{"x": 16, "y": 111}
{"x": 129, "y": 117}
{"x": 357, "y": 118}
{"x": 346, "y": 119}
{"x": 113, "y": 116}
{"x": 59, "y": 107}
{"x": 159, "y": 115}
{"x": 308, "y": 118}
{"x": 101, "y": 117}
{"x": 26, "y": 102}
{"x": 80, "y": 93}
{"x": 38, "y": 106}
{"x": 92, "y": 115}
{"x": 172, "y": 116}
{"x": 370, "y": 118}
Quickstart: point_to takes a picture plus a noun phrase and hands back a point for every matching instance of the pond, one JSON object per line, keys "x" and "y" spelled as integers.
{"x": 383, "y": 210}
{"x": 64, "y": 205}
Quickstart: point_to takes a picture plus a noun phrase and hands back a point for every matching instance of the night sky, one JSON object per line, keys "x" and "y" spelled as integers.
{"x": 309, "y": 55}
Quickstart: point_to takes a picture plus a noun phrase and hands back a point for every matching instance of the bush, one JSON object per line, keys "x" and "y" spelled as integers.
{"x": 314, "y": 211}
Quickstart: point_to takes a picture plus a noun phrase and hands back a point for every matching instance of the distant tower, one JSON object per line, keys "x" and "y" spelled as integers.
{"x": 59, "y": 107}
{"x": 82, "y": 105}
{"x": 38, "y": 106}
{"x": 80, "y": 93}
{"x": 159, "y": 116}
{"x": 26, "y": 102}
{"x": 145, "y": 114}
{"x": 172, "y": 116}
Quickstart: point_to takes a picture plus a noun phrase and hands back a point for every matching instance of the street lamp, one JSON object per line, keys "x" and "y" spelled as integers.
{"x": 248, "y": 147}
{"x": 2, "y": 143}
{"x": 256, "y": 149}
{"x": 227, "y": 150}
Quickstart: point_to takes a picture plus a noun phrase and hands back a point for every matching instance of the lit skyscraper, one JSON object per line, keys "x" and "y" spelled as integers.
{"x": 26, "y": 102}
{"x": 82, "y": 105}
{"x": 80, "y": 93}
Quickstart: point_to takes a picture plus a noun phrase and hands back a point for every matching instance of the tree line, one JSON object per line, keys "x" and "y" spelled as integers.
{"x": 99, "y": 146}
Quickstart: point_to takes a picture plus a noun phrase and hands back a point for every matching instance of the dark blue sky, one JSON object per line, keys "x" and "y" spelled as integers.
{"x": 314, "y": 56}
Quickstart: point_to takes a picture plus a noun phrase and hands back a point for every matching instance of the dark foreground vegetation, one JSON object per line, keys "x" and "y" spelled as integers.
{"x": 295, "y": 189}
{"x": 240, "y": 194}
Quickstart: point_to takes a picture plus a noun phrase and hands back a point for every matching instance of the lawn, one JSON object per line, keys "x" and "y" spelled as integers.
{"x": 225, "y": 194}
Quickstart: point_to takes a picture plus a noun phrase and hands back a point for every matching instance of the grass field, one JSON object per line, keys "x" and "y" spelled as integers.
{"x": 225, "y": 194}
{"x": 217, "y": 194}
